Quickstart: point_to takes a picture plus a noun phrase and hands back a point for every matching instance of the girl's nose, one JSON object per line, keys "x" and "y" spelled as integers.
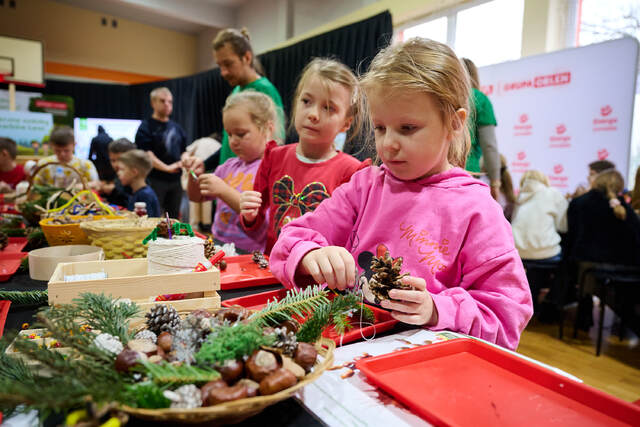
{"x": 313, "y": 115}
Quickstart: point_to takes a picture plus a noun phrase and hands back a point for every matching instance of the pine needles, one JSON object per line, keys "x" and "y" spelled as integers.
{"x": 106, "y": 315}
{"x": 296, "y": 303}
{"x": 168, "y": 374}
{"x": 232, "y": 342}
{"x": 25, "y": 297}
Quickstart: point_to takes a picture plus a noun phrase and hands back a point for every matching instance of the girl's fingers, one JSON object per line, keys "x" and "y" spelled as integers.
{"x": 339, "y": 270}
{"x": 412, "y": 319}
{"x": 401, "y": 306}
{"x": 410, "y": 296}
{"x": 313, "y": 269}
{"x": 327, "y": 271}
{"x": 350, "y": 268}
{"x": 417, "y": 283}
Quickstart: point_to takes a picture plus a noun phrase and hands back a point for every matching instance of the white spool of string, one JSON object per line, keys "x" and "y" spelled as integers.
{"x": 177, "y": 255}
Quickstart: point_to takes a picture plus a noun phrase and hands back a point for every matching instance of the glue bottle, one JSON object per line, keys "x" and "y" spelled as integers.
{"x": 140, "y": 208}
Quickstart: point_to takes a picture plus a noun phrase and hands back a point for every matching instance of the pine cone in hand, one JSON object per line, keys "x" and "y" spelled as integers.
{"x": 386, "y": 276}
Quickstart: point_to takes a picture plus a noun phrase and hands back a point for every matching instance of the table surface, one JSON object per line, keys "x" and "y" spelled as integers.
{"x": 286, "y": 413}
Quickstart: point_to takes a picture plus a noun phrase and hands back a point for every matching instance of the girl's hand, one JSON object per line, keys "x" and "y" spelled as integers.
{"x": 414, "y": 307}
{"x": 332, "y": 265}
{"x": 192, "y": 163}
{"x": 250, "y": 202}
{"x": 210, "y": 185}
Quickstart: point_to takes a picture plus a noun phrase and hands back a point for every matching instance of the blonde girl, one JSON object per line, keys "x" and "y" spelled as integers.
{"x": 464, "y": 273}
{"x": 249, "y": 119}
{"x": 294, "y": 179}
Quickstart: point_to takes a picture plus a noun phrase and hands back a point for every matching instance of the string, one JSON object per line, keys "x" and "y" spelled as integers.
{"x": 182, "y": 256}
{"x": 361, "y": 291}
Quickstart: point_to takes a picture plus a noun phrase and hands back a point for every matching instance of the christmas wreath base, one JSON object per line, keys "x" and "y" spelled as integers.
{"x": 238, "y": 410}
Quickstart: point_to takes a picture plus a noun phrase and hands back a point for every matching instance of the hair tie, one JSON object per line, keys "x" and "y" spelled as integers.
{"x": 614, "y": 203}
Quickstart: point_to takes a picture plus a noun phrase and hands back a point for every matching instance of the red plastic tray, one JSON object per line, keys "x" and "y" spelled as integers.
{"x": 9, "y": 263}
{"x": 384, "y": 321}
{"x": 465, "y": 382}
{"x": 16, "y": 244}
{"x": 242, "y": 272}
{"x": 4, "y": 310}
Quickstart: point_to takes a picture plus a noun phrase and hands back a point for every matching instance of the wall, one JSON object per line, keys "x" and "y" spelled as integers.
{"x": 75, "y": 36}
{"x": 266, "y": 21}
{"x": 205, "y": 58}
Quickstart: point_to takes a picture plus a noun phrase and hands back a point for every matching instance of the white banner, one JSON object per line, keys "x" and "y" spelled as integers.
{"x": 560, "y": 111}
{"x": 24, "y": 127}
{"x": 22, "y": 99}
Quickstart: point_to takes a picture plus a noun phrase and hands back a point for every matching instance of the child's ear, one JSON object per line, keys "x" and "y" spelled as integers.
{"x": 270, "y": 130}
{"x": 458, "y": 120}
{"x": 347, "y": 124}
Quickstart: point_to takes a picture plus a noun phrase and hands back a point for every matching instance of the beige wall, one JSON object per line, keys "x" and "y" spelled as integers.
{"x": 75, "y": 36}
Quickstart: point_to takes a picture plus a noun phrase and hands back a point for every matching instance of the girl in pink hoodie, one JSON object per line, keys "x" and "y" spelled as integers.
{"x": 456, "y": 245}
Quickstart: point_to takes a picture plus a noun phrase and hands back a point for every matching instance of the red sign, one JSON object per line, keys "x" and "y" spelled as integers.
{"x": 520, "y": 165}
{"x": 524, "y": 118}
{"x": 606, "y": 110}
{"x": 605, "y": 124}
{"x": 522, "y": 155}
{"x": 560, "y": 129}
{"x": 537, "y": 82}
{"x": 558, "y": 169}
{"x": 603, "y": 154}
{"x": 487, "y": 90}
{"x": 560, "y": 140}
{"x": 522, "y": 128}
{"x": 41, "y": 103}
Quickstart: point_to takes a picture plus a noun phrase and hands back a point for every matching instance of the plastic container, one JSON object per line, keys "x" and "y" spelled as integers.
{"x": 242, "y": 272}
{"x": 466, "y": 382}
{"x": 43, "y": 261}
{"x": 9, "y": 264}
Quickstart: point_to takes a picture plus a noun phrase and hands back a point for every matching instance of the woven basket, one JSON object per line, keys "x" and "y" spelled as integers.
{"x": 237, "y": 410}
{"x": 69, "y": 234}
{"x": 120, "y": 238}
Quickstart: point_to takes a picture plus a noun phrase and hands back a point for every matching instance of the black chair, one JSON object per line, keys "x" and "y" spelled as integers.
{"x": 548, "y": 274}
{"x": 612, "y": 284}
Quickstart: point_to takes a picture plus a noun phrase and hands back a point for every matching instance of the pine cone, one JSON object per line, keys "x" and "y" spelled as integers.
{"x": 4, "y": 241}
{"x": 189, "y": 335}
{"x": 146, "y": 334}
{"x": 185, "y": 397}
{"x": 162, "y": 318}
{"x": 386, "y": 276}
{"x": 258, "y": 258}
{"x": 209, "y": 249}
{"x": 286, "y": 341}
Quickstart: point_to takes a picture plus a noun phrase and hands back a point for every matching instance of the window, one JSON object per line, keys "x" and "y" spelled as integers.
{"x": 487, "y": 32}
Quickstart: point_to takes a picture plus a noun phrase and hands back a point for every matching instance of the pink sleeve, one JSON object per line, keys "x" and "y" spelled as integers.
{"x": 493, "y": 302}
{"x": 329, "y": 225}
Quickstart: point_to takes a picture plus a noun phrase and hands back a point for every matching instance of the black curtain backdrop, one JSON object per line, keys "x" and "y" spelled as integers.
{"x": 198, "y": 99}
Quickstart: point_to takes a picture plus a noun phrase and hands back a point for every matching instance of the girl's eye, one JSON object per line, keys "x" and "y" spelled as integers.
{"x": 241, "y": 135}
{"x": 408, "y": 128}
{"x": 329, "y": 108}
{"x": 305, "y": 101}
{"x": 379, "y": 128}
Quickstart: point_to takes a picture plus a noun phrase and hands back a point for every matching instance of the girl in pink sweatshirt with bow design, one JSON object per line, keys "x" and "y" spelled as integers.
{"x": 456, "y": 245}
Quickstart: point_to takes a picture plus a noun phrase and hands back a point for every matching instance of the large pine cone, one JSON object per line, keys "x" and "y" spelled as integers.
{"x": 386, "y": 276}
{"x": 162, "y": 318}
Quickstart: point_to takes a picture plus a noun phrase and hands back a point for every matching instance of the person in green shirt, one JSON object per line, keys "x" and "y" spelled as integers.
{"x": 238, "y": 66}
{"x": 482, "y": 124}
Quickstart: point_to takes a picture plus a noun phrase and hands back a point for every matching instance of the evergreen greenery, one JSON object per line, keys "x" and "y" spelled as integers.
{"x": 298, "y": 303}
{"x": 232, "y": 342}
{"x": 168, "y": 374}
{"x": 145, "y": 395}
{"x": 25, "y": 297}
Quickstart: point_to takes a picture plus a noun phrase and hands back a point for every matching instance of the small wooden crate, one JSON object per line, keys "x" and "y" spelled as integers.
{"x": 128, "y": 278}
{"x": 44, "y": 341}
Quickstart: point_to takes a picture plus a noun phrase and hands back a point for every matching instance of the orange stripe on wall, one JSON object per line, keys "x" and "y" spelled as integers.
{"x": 99, "y": 73}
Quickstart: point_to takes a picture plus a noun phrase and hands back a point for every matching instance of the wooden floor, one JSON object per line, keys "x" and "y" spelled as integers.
{"x": 617, "y": 369}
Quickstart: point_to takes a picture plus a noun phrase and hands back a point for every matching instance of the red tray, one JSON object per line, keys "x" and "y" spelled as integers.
{"x": 4, "y": 310}
{"x": 465, "y": 382}
{"x": 242, "y": 272}
{"x": 16, "y": 244}
{"x": 384, "y": 321}
{"x": 9, "y": 264}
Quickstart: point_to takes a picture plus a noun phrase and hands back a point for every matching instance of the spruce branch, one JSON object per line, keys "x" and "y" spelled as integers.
{"x": 168, "y": 374}
{"x": 296, "y": 303}
{"x": 232, "y": 342}
{"x": 25, "y": 297}
{"x": 108, "y": 315}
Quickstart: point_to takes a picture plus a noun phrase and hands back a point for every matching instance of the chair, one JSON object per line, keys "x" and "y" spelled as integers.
{"x": 606, "y": 281}
{"x": 551, "y": 274}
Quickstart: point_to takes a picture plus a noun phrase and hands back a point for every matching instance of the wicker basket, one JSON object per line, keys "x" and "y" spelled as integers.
{"x": 69, "y": 234}
{"x": 237, "y": 410}
{"x": 120, "y": 238}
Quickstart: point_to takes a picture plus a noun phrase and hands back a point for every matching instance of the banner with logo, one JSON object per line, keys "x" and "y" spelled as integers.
{"x": 22, "y": 99}
{"x": 560, "y": 111}
{"x": 25, "y": 127}
{"x": 61, "y": 106}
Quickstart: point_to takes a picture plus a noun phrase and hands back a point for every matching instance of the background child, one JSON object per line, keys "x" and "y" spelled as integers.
{"x": 10, "y": 172}
{"x": 540, "y": 214}
{"x": 114, "y": 191}
{"x": 295, "y": 178}
{"x": 133, "y": 168}
{"x": 63, "y": 142}
{"x": 420, "y": 205}
{"x": 250, "y": 119}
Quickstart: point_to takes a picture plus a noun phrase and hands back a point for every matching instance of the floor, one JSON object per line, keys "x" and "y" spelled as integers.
{"x": 617, "y": 369}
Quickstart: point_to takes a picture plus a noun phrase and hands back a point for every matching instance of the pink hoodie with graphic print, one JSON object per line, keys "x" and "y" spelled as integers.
{"x": 448, "y": 230}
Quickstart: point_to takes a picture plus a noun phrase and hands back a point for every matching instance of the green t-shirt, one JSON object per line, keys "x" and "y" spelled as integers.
{"x": 481, "y": 115}
{"x": 261, "y": 85}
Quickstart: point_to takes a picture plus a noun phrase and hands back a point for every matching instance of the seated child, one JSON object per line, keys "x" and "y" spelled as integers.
{"x": 133, "y": 168}
{"x": 63, "y": 142}
{"x": 10, "y": 172}
{"x": 249, "y": 118}
{"x": 115, "y": 192}
{"x": 464, "y": 273}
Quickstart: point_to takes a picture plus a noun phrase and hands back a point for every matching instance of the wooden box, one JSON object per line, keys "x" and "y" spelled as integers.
{"x": 128, "y": 278}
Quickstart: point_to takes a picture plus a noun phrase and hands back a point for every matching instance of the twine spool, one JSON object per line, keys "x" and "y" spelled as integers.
{"x": 178, "y": 255}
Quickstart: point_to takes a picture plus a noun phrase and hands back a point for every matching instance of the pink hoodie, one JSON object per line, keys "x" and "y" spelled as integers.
{"x": 447, "y": 229}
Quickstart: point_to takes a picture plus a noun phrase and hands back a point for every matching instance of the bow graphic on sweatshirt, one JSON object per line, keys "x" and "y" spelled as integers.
{"x": 284, "y": 197}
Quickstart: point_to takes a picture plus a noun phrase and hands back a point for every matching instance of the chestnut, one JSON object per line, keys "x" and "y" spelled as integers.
{"x": 290, "y": 325}
{"x": 127, "y": 359}
{"x": 233, "y": 314}
{"x": 260, "y": 364}
{"x": 252, "y": 386}
{"x": 277, "y": 381}
{"x": 144, "y": 346}
{"x": 225, "y": 394}
{"x": 305, "y": 355}
{"x": 231, "y": 370}
{"x": 165, "y": 341}
{"x": 205, "y": 389}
